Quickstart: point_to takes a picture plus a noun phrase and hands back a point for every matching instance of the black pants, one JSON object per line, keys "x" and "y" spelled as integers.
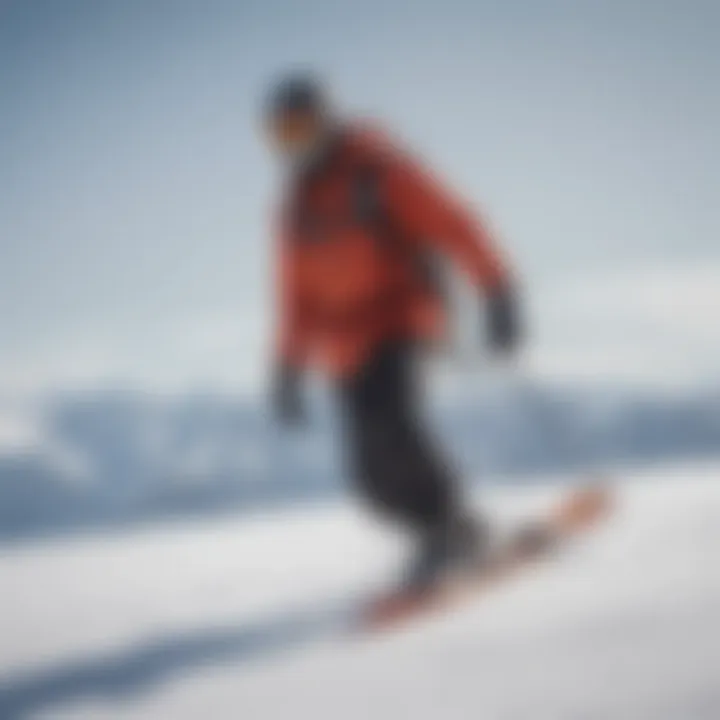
{"x": 393, "y": 459}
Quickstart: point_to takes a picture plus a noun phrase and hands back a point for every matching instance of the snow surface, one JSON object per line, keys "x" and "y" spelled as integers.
{"x": 236, "y": 619}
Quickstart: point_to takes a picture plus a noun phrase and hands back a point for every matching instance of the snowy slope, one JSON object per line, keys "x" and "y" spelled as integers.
{"x": 231, "y": 620}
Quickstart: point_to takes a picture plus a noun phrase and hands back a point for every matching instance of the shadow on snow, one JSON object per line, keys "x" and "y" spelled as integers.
{"x": 128, "y": 673}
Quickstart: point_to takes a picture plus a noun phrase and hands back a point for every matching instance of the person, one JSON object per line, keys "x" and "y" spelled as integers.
{"x": 360, "y": 227}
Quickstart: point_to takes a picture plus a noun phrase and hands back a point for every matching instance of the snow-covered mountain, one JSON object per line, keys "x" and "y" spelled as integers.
{"x": 113, "y": 457}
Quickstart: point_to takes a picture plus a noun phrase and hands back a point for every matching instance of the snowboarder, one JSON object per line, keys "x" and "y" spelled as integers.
{"x": 359, "y": 226}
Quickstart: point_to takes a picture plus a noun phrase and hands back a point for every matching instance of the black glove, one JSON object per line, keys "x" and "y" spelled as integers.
{"x": 287, "y": 399}
{"x": 503, "y": 319}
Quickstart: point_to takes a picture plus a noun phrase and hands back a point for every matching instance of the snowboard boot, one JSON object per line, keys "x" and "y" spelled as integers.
{"x": 460, "y": 546}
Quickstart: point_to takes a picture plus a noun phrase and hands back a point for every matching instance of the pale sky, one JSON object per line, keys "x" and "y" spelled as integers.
{"x": 134, "y": 191}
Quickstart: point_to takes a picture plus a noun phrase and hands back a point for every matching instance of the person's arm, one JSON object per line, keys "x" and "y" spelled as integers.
{"x": 430, "y": 214}
{"x": 290, "y": 341}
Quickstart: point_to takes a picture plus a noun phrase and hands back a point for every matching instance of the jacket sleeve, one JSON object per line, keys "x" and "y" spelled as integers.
{"x": 431, "y": 215}
{"x": 290, "y": 332}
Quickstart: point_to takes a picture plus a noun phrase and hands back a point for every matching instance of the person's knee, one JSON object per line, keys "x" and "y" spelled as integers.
{"x": 398, "y": 473}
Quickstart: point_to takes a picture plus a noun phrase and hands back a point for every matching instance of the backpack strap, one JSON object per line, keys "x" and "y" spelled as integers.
{"x": 371, "y": 212}
{"x": 367, "y": 203}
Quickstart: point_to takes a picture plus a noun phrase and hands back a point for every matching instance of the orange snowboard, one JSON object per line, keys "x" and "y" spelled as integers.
{"x": 576, "y": 513}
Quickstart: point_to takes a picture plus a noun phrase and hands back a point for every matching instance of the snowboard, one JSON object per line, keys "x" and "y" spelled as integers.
{"x": 579, "y": 510}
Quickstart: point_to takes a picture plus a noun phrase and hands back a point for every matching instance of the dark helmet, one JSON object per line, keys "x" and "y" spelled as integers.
{"x": 298, "y": 92}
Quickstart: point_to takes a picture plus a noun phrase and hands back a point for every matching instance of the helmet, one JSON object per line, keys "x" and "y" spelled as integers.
{"x": 296, "y": 93}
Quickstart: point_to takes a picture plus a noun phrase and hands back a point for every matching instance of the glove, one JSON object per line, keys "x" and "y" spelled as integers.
{"x": 503, "y": 320}
{"x": 287, "y": 400}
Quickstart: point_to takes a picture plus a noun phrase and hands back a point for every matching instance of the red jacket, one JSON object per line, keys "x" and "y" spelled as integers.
{"x": 346, "y": 284}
